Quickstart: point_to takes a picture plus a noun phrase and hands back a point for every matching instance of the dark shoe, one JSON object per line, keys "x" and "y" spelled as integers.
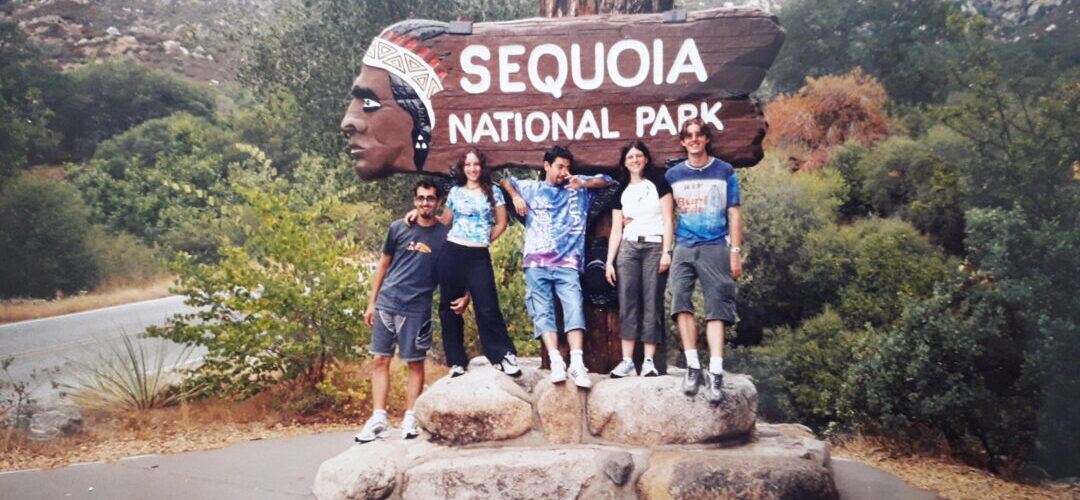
{"x": 692, "y": 382}
{"x": 715, "y": 392}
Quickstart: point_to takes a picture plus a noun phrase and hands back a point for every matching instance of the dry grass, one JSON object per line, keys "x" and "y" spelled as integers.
{"x": 949, "y": 477}
{"x": 22, "y": 310}
{"x": 201, "y": 425}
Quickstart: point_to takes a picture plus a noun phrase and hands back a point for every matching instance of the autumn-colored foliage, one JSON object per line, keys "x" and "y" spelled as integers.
{"x": 825, "y": 113}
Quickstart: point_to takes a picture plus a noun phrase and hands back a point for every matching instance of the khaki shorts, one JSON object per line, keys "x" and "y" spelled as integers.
{"x": 710, "y": 264}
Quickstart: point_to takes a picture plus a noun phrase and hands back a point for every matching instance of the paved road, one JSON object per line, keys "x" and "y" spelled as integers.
{"x": 284, "y": 469}
{"x": 43, "y": 344}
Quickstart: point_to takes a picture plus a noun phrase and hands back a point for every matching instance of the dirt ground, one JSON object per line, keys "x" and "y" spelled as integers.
{"x": 22, "y": 310}
{"x": 949, "y": 477}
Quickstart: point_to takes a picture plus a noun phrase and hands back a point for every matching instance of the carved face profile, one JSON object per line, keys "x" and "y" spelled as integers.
{"x": 378, "y": 129}
{"x": 390, "y": 118}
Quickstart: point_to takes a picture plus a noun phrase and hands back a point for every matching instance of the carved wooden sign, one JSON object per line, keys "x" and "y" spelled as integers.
{"x": 428, "y": 90}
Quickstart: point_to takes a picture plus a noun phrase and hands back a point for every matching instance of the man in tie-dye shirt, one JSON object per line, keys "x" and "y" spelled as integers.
{"x": 708, "y": 241}
{"x": 555, "y": 211}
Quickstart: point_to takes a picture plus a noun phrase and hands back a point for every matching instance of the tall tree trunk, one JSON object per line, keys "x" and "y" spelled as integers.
{"x": 574, "y": 8}
{"x": 603, "y": 348}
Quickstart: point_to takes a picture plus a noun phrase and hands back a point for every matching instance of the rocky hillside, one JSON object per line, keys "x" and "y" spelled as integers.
{"x": 190, "y": 37}
{"x": 193, "y": 37}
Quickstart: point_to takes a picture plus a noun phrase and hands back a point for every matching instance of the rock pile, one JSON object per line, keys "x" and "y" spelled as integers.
{"x": 490, "y": 436}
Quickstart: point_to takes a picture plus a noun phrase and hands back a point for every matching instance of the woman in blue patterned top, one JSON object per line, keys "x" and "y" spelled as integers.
{"x": 476, "y": 212}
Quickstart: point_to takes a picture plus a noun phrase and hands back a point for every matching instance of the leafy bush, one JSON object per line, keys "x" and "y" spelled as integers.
{"x": 825, "y": 113}
{"x": 106, "y": 98}
{"x": 284, "y": 304}
{"x": 830, "y": 37}
{"x": 24, "y": 117}
{"x": 846, "y": 162}
{"x": 781, "y": 210}
{"x": 987, "y": 361}
{"x": 800, "y": 372}
{"x": 122, "y": 259}
{"x": 44, "y": 239}
{"x": 867, "y": 270}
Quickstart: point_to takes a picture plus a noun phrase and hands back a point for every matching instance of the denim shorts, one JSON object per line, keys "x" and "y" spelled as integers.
{"x": 542, "y": 284}
{"x": 412, "y": 334}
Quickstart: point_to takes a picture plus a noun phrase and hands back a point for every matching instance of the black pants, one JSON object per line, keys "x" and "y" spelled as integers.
{"x": 468, "y": 269}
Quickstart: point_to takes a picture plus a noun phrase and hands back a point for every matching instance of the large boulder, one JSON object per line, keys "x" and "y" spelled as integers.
{"x": 559, "y": 407}
{"x": 482, "y": 405}
{"x": 360, "y": 472}
{"x": 710, "y": 474}
{"x": 44, "y": 421}
{"x": 530, "y": 474}
{"x": 651, "y": 411}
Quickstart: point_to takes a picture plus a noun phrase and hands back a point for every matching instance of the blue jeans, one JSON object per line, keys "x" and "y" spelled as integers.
{"x": 543, "y": 284}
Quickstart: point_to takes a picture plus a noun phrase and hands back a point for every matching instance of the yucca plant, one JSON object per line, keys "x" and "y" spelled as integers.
{"x": 125, "y": 377}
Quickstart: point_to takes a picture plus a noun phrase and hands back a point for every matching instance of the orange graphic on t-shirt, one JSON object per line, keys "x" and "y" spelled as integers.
{"x": 417, "y": 246}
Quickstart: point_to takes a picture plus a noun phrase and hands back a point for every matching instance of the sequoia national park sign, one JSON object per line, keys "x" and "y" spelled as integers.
{"x": 428, "y": 90}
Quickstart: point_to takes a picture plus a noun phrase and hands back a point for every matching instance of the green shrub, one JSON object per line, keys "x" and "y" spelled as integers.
{"x": 122, "y": 259}
{"x": 781, "y": 210}
{"x": 284, "y": 304}
{"x": 107, "y": 98}
{"x": 800, "y": 372}
{"x": 25, "y": 138}
{"x": 45, "y": 237}
{"x": 919, "y": 180}
{"x": 846, "y": 161}
{"x": 988, "y": 361}
{"x": 867, "y": 270}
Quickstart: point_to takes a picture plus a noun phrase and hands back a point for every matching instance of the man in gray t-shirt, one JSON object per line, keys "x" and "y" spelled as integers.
{"x": 399, "y": 308}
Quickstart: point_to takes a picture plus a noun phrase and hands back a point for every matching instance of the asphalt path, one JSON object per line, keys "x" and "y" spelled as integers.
{"x": 284, "y": 469}
{"x": 49, "y": 350}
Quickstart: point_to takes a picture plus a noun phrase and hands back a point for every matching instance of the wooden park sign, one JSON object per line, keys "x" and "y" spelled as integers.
{"x": 428, "y": 90}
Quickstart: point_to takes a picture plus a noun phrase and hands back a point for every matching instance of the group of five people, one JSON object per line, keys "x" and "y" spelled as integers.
{"x": 647, "y": 251}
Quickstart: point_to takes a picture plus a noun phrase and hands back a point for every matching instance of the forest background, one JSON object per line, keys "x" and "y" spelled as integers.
{"x": 911, "y": 243}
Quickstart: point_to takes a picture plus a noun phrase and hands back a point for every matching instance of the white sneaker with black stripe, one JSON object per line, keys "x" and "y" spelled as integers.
{"x": 409, "y": 427}
{"x": 375, "y": 428}
{"x": 509, "y": 365}
{"x": 625, "y": 368}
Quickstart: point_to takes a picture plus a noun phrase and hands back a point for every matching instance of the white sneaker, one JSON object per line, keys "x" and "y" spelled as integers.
{"x": 409, "y": 428}
{"x": 624, "y": 369}
{"x": 374, "y": 428}
{"x": 580, "y": 376}
{"x": 558, "y": 370}
{"x": 457, "y": 371}
{"x": 509, "y": 365}
{"x": 648, "y": 369}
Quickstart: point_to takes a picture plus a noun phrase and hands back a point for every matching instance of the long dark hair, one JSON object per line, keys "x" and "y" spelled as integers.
{"x": 623, "y": 174}
{"x": 485, "y": 174}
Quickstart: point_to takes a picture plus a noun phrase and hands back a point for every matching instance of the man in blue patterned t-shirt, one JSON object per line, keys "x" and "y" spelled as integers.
{"x": 708, "y": 244}
{"x": 555, "y": 211}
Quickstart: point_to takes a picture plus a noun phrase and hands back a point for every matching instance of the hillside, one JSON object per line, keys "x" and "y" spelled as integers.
{"x": 189, "y": 37}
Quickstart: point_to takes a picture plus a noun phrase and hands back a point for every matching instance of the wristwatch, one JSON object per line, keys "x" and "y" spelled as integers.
{"x": 736, "y": 250}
